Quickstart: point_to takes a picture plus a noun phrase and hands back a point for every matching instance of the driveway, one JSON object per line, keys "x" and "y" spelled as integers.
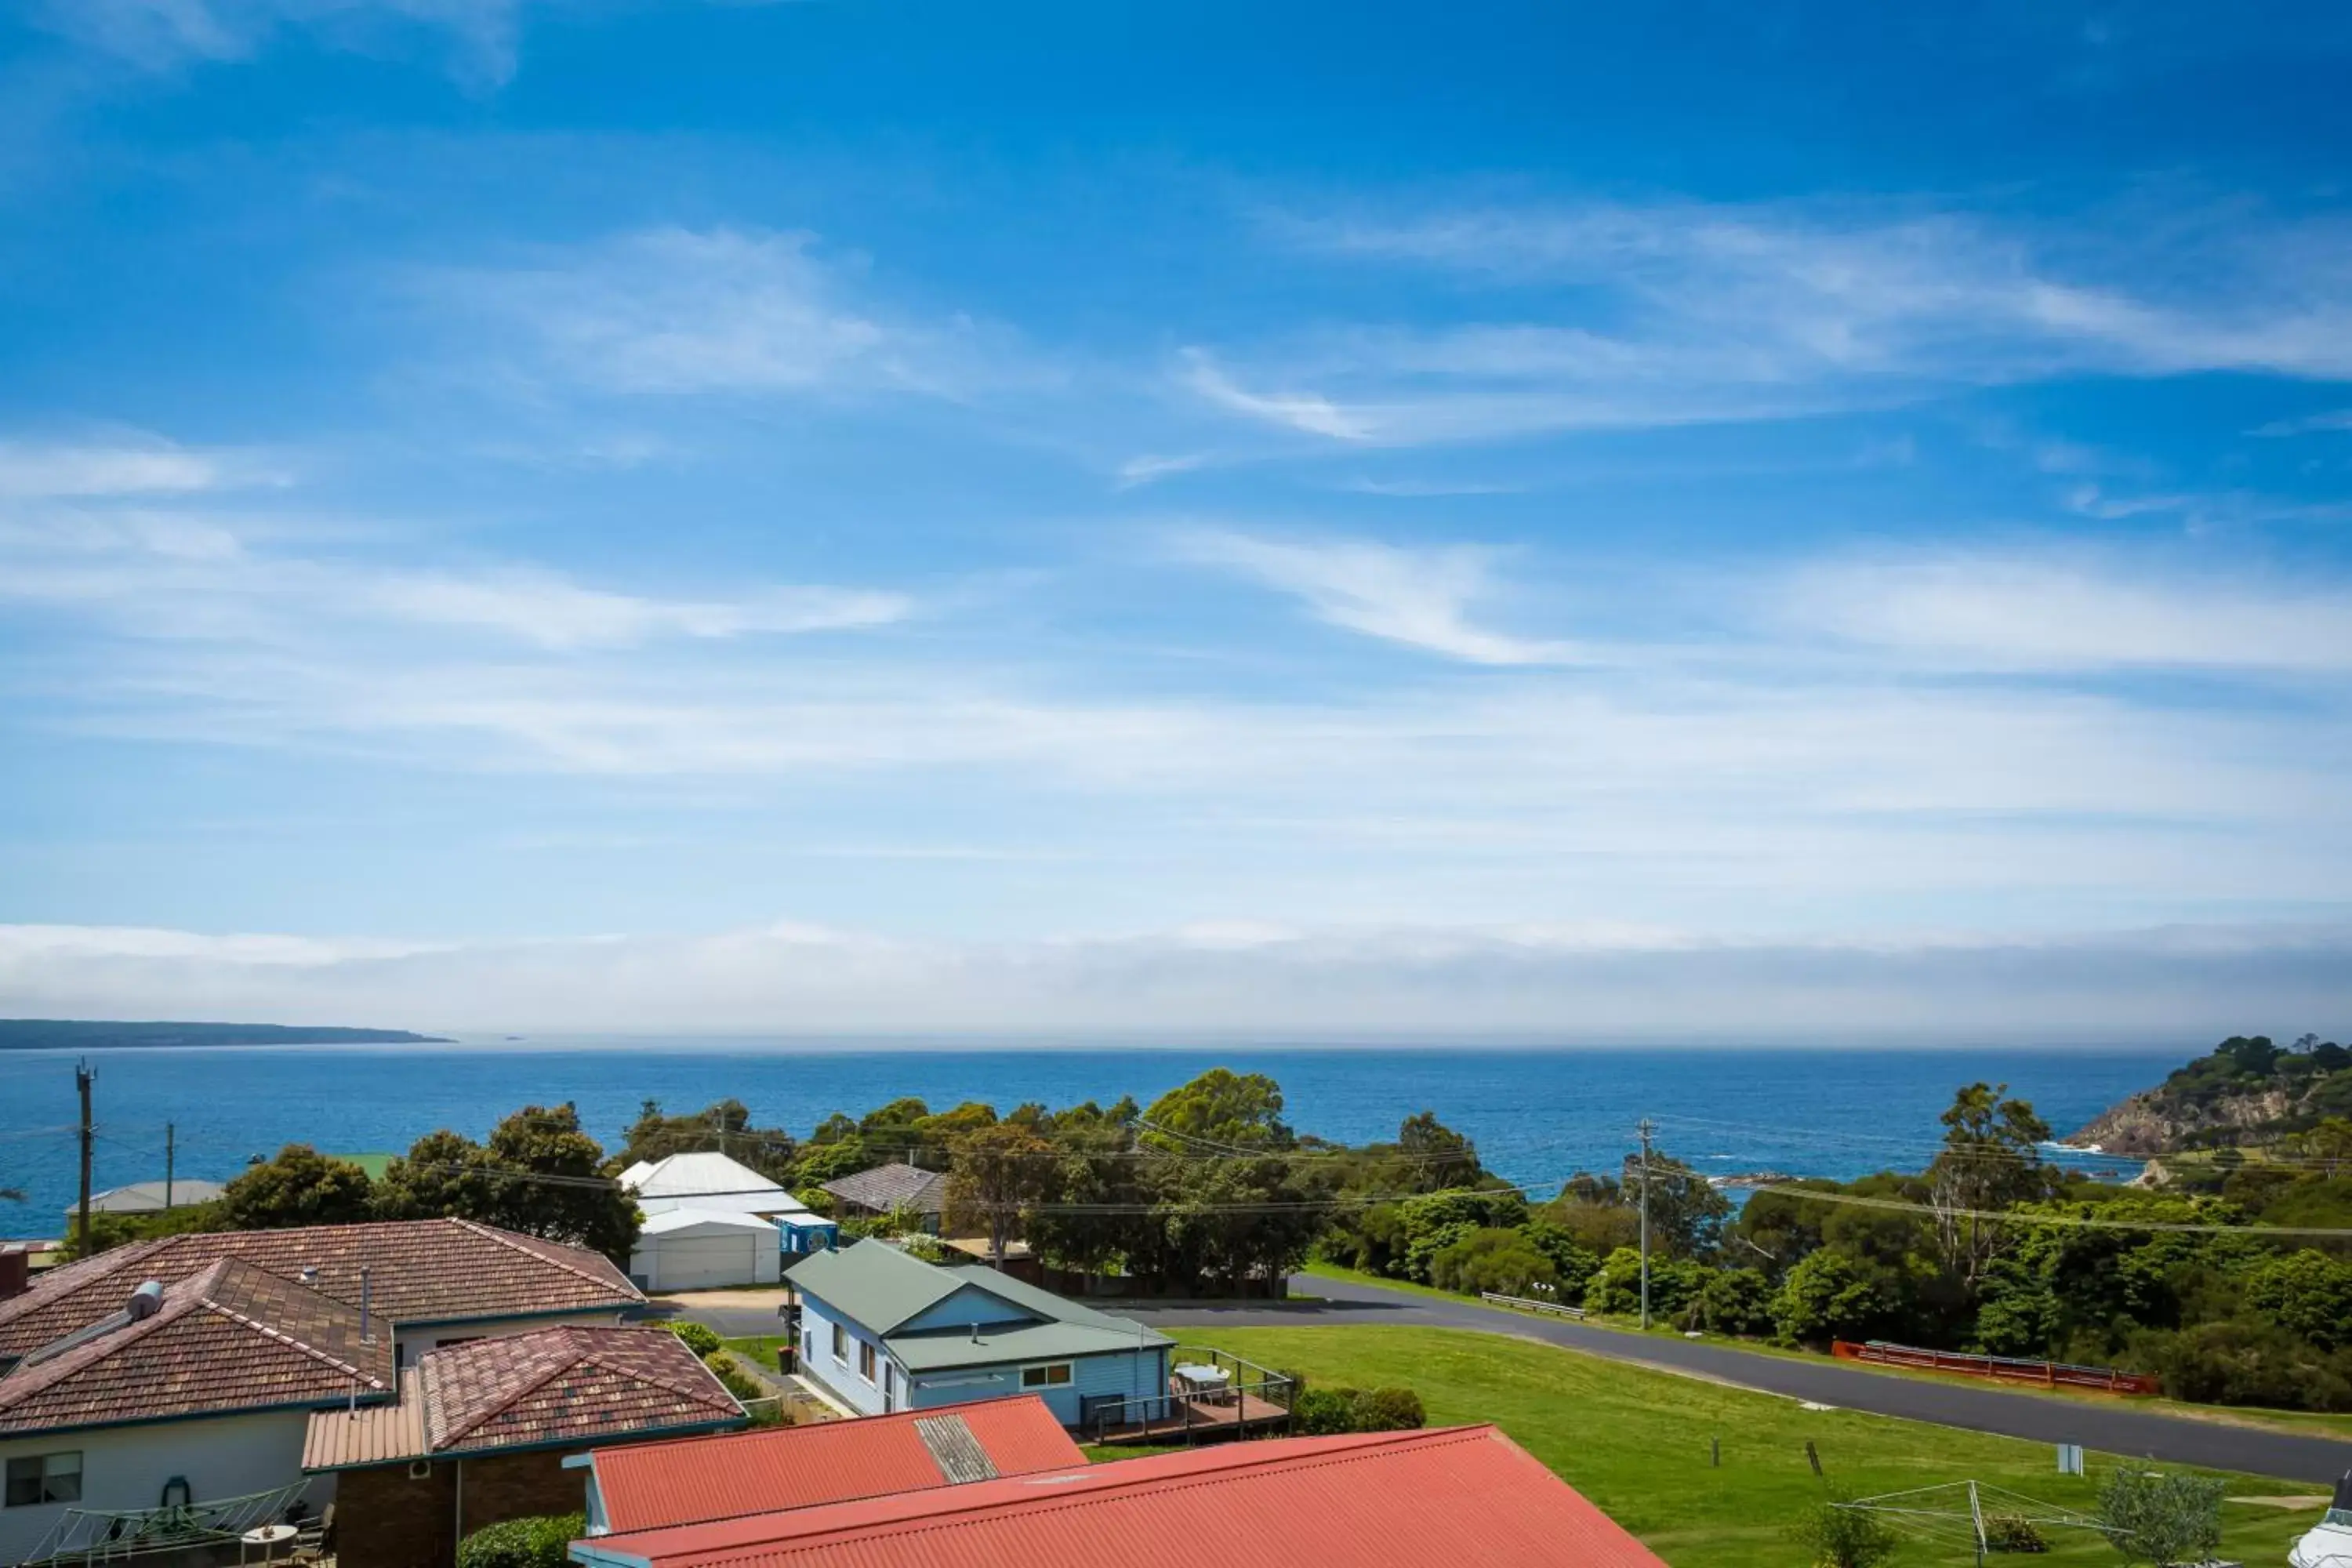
{"x": 2116, "y": 1428}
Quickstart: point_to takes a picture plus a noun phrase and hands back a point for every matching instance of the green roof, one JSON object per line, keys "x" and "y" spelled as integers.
{"x": 875, "y": 1284}
{"x": 880, "y": 1287}
{"x": 1003, "y": 1342}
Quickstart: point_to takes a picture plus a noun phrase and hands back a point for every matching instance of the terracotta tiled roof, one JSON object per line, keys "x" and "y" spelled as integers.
{"x": 887, "y": 1187}
{"x": 1468, "y": 1497}
{"x": 647, "y": 1485}
{"x": 569, "y": 1383}
{"x": 553, "y": 1386}
{"x": 231, "y": 1338}
{"x": 428, "y": 1270}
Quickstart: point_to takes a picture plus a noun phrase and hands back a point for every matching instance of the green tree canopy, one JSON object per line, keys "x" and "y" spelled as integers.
{"x": 300, "y": 1187}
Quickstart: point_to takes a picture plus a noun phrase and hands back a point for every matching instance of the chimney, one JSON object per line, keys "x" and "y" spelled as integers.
{"x": 365, "y": 1338}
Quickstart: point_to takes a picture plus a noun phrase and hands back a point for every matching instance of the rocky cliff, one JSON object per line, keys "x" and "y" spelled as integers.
{"x": 2157, "y": 1121}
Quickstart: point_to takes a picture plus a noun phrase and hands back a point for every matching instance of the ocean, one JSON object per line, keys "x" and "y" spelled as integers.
{"x": 1538, "y": 1115}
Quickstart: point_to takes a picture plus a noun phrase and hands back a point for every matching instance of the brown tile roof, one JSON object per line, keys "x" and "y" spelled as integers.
{"x": 556, "y": 1386}
{"x": 234, "y": 1337}
{"x": 567, "y": 1383}
{"x": 887, "y": 1187}
{"x": 426, "y": 1270}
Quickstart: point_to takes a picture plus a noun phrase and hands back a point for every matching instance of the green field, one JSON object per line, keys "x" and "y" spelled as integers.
{"x": 1637, "y": 1443}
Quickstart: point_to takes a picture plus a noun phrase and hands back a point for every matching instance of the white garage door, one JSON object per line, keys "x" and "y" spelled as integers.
{"x": 700, "y": 1262}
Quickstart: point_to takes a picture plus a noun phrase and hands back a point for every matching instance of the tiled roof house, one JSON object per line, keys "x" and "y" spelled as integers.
{"x": 186, "y": 1368}
{"x": 481, "y": 1432}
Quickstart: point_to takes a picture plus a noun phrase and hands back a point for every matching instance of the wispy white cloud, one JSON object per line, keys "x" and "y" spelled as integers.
{"x": 1151, "y": 467}
{"x": 2334, "y": 421}
{"x": 2045, "y": 612}
{"x": 720, "y": 311}
{"x": 1308, "y": 412}
{"x": 1422, "y": 599}
{"x": 1598, "y": 983}
{"x": 1683, "y": 312}
{"x": 168, "y": 35}
{"x": 122, "y": 464}
{"x": 160, "y": 574}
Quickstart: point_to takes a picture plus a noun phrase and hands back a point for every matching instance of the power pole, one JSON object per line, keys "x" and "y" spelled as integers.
{"x": 1646, "y": 1128}
{"x": 167, "y": 1167}
{"x": 82, "y": 1077}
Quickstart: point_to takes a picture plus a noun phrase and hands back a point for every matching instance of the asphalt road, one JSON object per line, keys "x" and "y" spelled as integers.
{"x": 2115, "y": 1428}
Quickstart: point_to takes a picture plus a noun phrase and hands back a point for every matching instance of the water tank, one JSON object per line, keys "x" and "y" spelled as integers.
{"x": 145, "y": 1302}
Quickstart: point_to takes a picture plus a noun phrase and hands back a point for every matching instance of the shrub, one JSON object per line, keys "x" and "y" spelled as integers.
{"x": 1327, "y": 1412}
{"x": 2008, "y": 1533}
{"x": 1616, "y": 1285}
{"x": 732, "y": 1377}
{"x": 542, "y": 1541}
{"x": 1324, "y": 1411}
{"x": 1389, "y": 1410}
{"x": 1830, "y": 1295}
{"x": 1732, "y": 1301}
{"x": 703, "y": 1341}
{"x": 1844, "y": 1537}
{"x": 2246, "y": 1363}
{"x": 2162, "y": 1517}
{"x": 1491, "y": 1259}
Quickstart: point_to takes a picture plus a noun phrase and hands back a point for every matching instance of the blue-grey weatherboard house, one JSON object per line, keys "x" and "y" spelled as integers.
{"x": 885, "y": 1332}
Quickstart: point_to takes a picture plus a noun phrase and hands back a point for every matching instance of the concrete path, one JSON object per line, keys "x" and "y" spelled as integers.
{"x": 2116, "y": 1428}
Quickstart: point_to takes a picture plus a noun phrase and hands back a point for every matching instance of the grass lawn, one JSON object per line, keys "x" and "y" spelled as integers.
{"x": 1637, "y": 1442}
{"x": 757, "y": 1348}
{"x": 2240, "y": 1415}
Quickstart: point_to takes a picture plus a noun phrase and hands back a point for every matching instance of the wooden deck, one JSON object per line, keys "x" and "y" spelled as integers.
{"x": 1202, "y": 1420}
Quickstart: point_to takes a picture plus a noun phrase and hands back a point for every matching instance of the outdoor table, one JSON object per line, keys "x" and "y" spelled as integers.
{"x": 1207, "y": 1381}
{"x": 269, "y": 1537}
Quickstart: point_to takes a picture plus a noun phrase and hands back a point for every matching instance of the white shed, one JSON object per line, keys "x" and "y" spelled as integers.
{"x": 703, "y": 1249}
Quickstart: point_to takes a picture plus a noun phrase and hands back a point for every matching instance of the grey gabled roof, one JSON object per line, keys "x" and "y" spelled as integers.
{"x": 881, "y": 1288}
{"x": 887, "y": 1187}
{"x": 944, "y": 1350}
{"x": 875, "y": 1283}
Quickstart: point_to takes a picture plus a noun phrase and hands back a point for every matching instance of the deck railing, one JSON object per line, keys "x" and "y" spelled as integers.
{"x": 1177, "y": 1415}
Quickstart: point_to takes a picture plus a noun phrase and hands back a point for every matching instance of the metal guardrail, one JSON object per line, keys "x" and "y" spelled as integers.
{"x": 1998, "y": 1369}
{"x": 1551, "y": 1309}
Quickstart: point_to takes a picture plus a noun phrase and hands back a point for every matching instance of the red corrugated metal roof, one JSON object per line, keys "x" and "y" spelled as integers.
{"x": 648, "y": 1485}
{"x": 1467, "y": 1497}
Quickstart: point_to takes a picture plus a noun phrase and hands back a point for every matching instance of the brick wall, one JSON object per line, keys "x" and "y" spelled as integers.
{"x": 386, "y": 1520}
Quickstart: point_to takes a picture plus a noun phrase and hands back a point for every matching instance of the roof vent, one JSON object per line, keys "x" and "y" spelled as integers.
{"x": 145, "y": 1302}
{"x": 310, "y": 1274}
{"x": 975, "y": 1333}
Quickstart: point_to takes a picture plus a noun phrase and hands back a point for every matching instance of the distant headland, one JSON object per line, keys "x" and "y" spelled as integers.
{"x": 88, "y": 1035}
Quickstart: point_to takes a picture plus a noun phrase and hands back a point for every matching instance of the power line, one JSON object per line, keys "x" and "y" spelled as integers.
{"x": 2081, "y": 1222}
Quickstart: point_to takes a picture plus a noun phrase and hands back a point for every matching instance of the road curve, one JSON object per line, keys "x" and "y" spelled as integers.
{"x": 2116, "y": 1428}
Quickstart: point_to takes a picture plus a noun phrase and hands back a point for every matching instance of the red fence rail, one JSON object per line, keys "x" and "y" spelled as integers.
{"x": 2001, "y": 1369}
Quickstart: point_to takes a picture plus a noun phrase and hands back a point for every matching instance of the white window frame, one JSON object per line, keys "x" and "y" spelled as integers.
{"x": 1046, "y": 1378}
{"x": 50, "y": 1469}
{"x": 868, "y": 1358}
{"x": 841, "y": 1344}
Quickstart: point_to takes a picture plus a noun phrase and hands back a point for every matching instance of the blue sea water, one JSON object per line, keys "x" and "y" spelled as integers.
{"x": 1538, "y": 1115}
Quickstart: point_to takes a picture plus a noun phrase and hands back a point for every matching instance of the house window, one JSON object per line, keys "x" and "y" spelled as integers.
{"x": 840, "y": 1343}
{"x": 866, "y": 1361}
{"x": 44, "y": 1478}
{"x": 1052, "y": 1375}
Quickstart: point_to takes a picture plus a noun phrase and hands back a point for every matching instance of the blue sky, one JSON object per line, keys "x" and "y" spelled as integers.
{"x": 851, "y": 514}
